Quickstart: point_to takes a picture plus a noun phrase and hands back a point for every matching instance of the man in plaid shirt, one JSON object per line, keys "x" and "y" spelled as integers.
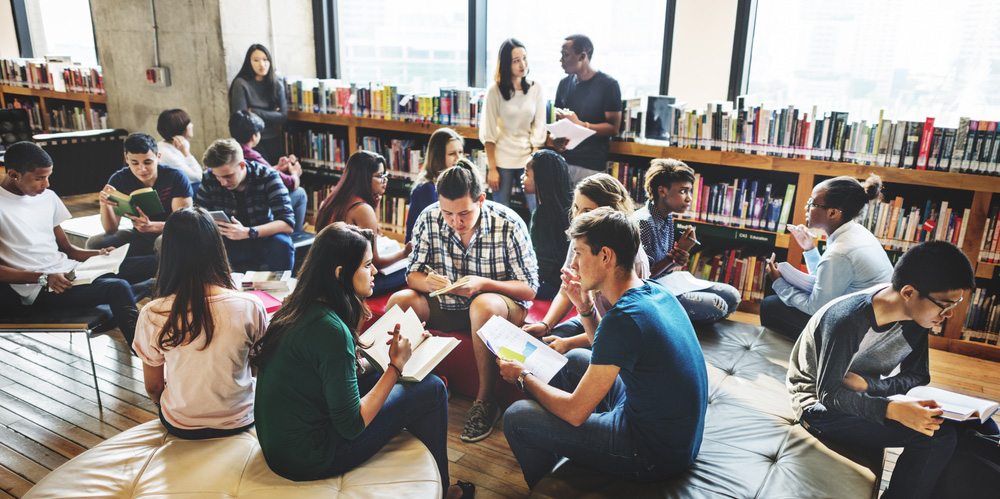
{"x": 463, "y": 236}
{"x": 256, "y": 203}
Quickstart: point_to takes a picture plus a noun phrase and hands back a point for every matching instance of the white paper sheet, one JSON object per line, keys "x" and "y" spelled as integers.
{"x": 566, "y": 128}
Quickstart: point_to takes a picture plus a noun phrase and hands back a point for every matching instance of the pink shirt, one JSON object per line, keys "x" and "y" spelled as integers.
{"x": 213, "y": 387}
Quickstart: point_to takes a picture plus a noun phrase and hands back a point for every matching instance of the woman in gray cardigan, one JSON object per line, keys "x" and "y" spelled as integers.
{"x": 258, "y": 90}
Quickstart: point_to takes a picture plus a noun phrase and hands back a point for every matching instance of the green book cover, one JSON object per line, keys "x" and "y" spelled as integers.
{"x": 145, "y": 198}
{"x": 786, "y": 208}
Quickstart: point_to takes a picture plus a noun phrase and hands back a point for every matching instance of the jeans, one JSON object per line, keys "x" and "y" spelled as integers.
{"x": 389, "y": 283}
{"x": 265, "y": 253}
{"x": 421, "y": 408}
{"x": 569, "y": 328}
{"x": 112, "y": 290}
{"x": 782, "y": 319}
{"x": 922, "y": 461}
{"x": 547, "y": 291}
{"x": 712, "y": 304}
{"x": 299, "y": 200}
{"x": 141, "y": 243}
{"x": 510, "y": 177}
{"x": 604, "y": 441}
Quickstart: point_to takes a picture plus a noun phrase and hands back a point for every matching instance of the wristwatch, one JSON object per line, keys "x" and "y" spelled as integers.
{"x": 520, "y": 380}
{"x": 43, "y": 281}
{"x": 253, "y": 233}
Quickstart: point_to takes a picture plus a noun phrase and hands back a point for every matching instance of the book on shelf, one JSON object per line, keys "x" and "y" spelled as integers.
{"x": 982, "y": 320}
{"x": 32, "y": 107}
{"x": 316, "y": 148}
{"x": 145, "y": 198}
{"x": 956, "y": 406}
{"x": 427, "y": 353}
{"x": 746, "y": 203}
{"x": 900, "y": 226}
{"x": 745, "y": 273}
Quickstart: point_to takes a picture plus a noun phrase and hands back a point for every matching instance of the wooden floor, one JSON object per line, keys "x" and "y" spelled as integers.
{"x": 49, "y": 414}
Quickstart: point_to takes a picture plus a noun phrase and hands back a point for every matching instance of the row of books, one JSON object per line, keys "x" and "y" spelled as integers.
{"x": 317, "y": 149}
{"x": 747, "y": 204}
{"x": 67, "y": 118}
{"x": 56, "y": 76}
{"x": 33, "y": 108}
{"x": 745, "y": 273}
{"x": 631, "y": 176}
{"x": 982, "y": 322}
{"x": 989, "y": 249}
{"x": 899, "y": 228}
{"x": 452, "y": 106}
{"x": 393, "y": 213}
{"x": 403, "y": 157}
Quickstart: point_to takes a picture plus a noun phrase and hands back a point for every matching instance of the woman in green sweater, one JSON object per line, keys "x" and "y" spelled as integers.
{"x": 315, "y": 417}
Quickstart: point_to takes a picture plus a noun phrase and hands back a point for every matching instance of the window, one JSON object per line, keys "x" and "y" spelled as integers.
{"x": 62, "y": 27}
{"x": 914, "y": 58}
{"x": 627, "y": 36}
{"x": 421, "y": 46}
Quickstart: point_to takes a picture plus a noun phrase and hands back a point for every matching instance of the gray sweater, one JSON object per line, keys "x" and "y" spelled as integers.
{"x": 253, "y": 95}
{"x": 843, "y": 337}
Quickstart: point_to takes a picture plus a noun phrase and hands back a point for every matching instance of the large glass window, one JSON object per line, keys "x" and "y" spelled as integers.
{"x": 60, "y": 28}
{"x": 914, "y": 58}
{"x": 420, "y": 46}
{"x": 627, "y": 36}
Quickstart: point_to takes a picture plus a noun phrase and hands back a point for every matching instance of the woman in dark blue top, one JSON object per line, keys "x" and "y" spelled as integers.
{"x": 444, "y": 149}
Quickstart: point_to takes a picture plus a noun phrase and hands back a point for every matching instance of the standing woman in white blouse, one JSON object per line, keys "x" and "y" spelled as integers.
{"x": 513, "y": 122}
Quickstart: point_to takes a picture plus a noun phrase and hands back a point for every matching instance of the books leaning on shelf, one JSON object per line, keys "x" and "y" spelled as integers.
{"x": 317, "y": 149}
{"x": 982, "y": 321}
{"x": 899, "y": 228}
{"x": 427, "y": 352}
{"x": 393, "y": 215}
{"x": 747, "y": 204}
{"x": 956, "y": 406}
{"x": 128, "y": 204}
{"x": 745, "y": 273}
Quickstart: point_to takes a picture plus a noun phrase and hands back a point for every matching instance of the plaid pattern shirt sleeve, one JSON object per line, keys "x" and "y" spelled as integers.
{"x": 277, "y": 199}
{"x": 425, "y": 241}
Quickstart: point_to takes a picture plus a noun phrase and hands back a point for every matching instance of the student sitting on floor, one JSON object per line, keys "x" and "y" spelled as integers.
{"x": 198, "y": 334}
{"x": 546, "y": 180}
{"x": 315, "y": 417}
{"x": 255, "y": 201}
{"x": 635, "y": 407}
{"x": 853, "y": 260}
{"x": 595, "y": 191}
{"x": 35, "y": 254}
{"x": 143, "y": 170}
{"x": 246, "y": 128}
{"x": 668, "y": 186}
{"x": 463, "y": 236}
{"x": 844, "y": 366}
{"x": 356, "y": 200}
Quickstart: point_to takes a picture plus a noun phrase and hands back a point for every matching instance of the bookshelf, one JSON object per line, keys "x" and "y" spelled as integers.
{"x": 51, "y": 99}
{"x": 807, "y": 173}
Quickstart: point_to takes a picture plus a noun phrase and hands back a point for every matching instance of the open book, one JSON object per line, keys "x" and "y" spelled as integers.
{"x": 797, "y": 278}
{"x": 145, "y": 198}
{"x": 96, "y": 266}
{"x": 510, "y": 342}
{"x": 427, "y": 352}
{"x": 956, "y": 406}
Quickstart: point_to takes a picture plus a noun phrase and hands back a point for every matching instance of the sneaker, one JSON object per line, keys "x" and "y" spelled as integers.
{"x": 480, "y": 423}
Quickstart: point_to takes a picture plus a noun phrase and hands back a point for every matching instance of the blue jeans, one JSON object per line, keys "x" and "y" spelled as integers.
{"x": 112, "y": 290}
{"x": 389, "y": 283}
{"x": 265, "y": 253}
{"x": 782, "y": 319}
{"x": 299, "y": 201}
{"x": 510, "y": 177}
{"x": 421, "y": 408}
{"x": 712, "y": 304}
{"x": 918, "y": 467}
{"x": 604, "y": 441}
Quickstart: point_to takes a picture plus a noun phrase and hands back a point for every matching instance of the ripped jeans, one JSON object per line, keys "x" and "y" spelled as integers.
{"x": 711, "y": 304}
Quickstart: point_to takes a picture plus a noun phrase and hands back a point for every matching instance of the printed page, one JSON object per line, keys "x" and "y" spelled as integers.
{"x": 565, "y": 128}
{"x": 509, "y": 341}
{"x": 96, "y": 266}
{"x": 410, "y": 328}
{"x": 956, "y": 406}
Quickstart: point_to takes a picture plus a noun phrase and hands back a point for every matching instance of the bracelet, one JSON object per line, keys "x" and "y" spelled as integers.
{"x": 398, "y": 371}
{"x": 588, "y": 313}
{"x": 547, "y": 328}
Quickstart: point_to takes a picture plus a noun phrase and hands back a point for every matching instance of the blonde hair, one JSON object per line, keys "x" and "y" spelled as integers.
{"x": 605, "y": 190}
{"x": 222, "y": 152}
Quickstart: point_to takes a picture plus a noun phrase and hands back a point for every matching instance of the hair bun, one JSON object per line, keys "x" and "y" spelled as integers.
{"x": 873, "y": 186}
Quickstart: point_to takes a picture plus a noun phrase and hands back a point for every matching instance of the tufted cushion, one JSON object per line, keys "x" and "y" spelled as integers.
{"x": 752, "y": 447}
{"x": 146, "y": 462}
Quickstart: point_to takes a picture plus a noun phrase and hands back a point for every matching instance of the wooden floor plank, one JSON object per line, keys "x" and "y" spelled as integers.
{"x": 14, "y": 461}
{"x": 69, "y": 430}
{"x": 31, "y": 449}
{"x": 12, "y": 483}
{"x": 49, "y": 439}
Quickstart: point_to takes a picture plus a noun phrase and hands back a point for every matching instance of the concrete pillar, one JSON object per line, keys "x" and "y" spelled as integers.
{"x": 202, "y": 42}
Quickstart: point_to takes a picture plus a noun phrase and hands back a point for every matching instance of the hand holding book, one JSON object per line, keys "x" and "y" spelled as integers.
{"x": 399, "y": 349}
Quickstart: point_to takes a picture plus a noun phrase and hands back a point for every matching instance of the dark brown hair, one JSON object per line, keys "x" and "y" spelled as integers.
{"x": 663, "y": 173}
{"x": 356, "y": 181}
{"x": 171, "y": 123}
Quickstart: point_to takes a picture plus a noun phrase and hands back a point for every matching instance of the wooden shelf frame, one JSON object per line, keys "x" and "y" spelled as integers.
{"x": 88, "y": 100}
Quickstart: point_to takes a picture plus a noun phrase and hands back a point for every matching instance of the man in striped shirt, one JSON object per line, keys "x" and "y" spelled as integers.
{"x": 487, "y": 246}
{"x": 255, "y": 201}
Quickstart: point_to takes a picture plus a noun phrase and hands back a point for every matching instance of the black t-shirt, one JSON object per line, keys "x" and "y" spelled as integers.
{"x": 590, "y": 100}
{"x": 170, "y": 183}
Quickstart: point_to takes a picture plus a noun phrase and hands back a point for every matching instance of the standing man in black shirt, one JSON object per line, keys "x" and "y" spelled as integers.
{"x": 590, "y": 99}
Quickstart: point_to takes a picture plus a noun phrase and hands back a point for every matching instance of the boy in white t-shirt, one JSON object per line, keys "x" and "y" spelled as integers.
{"x": 35, "y": 254}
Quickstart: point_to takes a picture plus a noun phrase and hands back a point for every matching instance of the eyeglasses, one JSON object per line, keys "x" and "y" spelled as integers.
{"x": 382, "y": 177}
{"x": 810, "y": 205}
{"x": 944, "y": 308}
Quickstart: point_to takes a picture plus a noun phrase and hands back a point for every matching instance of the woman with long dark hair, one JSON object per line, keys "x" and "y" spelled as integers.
{"x": 513, "y": 123}
{"x": 315, "y": 417}
{"x": 198, "y": 333}
{"x": 444, "y": 149}
{"x": 355, "y": 200}
{"x": 257, "y": 89}
{"x": 546, "y": 176}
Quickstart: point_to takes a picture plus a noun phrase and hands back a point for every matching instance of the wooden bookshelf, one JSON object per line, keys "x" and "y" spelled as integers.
{"x": 806, "y": 171}
{"x": 45, "y": 96}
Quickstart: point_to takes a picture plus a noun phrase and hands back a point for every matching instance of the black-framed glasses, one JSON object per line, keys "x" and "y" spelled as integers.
{"x": 944, "y": 308}
{"x": 810, "y": 205}
{"x": 382, "y": 177}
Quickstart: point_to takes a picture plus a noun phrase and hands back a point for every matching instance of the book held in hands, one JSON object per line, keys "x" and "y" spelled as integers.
{"x": 97, "y": 266}
{"x": 956, "y": 406}
{"x": 427, "y": 353}
{"x": 145, "y": 198}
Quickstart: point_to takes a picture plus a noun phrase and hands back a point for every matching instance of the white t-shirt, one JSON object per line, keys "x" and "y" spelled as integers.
{"x": 514, "y": 125}
{"x": 211, "y": 387}
{"x": 27, "y": 237}
{"x": 172, "y": 156}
